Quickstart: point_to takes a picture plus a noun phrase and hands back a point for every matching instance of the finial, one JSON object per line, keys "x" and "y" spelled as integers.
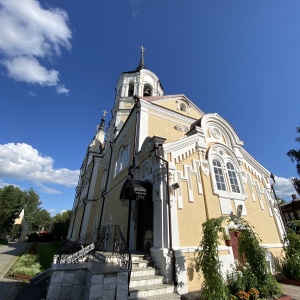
{"x": 104, "y": 113}
{"x": 102, "y": 124}
{"x": 141, "y": 64}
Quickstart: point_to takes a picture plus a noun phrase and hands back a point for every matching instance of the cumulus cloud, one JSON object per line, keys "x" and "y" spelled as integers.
{"x": 21, "y": 161}
{"x": 29, "y": 34}
{"x": 28, "y": 69}
{"x": 60, "y": 89}
{"x": 284, "y": 188}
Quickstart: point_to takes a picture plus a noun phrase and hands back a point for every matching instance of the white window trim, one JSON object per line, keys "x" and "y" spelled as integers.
{"x": 228, "y": 193}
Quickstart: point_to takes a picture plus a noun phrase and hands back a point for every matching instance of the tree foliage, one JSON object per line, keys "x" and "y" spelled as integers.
{"x": 294, "y": 155}
{"x": 10, "y": 206}
{"x": 61, "y": 224}
{"x": 13, "y": 200}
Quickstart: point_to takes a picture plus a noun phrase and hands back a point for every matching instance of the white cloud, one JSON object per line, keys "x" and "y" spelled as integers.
{"x": 28, "y": 34}
{"x": 21, "y": 161}
{"x": 47, "y": 190}
{"x": 31, "y": 94}
{"x": 284, "y": 188}
{"x": 60, "y": 89}
{"x": 28, "y": 69}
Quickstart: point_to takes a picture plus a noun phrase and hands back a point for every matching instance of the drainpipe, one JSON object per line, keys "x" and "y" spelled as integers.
{"x": 169, "y": 215}
{"x": 133, "y": 164}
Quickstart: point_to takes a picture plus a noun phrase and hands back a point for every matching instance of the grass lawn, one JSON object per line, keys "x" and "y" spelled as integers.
{"x": 46, "y": 253}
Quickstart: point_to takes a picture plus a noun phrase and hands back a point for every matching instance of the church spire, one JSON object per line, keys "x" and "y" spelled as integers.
{"x": 141, "y": 64}
{"x": 102, "y": 124}
{"x": 98, "y": 142}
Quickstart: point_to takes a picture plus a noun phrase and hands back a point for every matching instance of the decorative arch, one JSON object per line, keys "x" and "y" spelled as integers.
{"x": 209, "y": 122}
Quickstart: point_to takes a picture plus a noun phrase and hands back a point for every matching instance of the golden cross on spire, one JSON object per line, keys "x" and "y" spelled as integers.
{"x": 104, "y": 113}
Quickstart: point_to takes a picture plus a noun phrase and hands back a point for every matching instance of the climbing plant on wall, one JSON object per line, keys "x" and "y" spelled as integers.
{"x": 208, "y": 260}
{"x": 214, "y": 286}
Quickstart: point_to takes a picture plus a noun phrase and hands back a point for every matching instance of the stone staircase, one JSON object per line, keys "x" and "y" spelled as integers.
{"x": 146, "y": 282}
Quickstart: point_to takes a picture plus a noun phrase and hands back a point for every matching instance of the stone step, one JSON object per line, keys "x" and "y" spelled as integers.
{"x": 144, "y": 271}
{"x": 136, "y": 257}
{"x": 146, "y": 280}
{"x": 142, "y": 263}
{"x": 171, "y": 296}
{"x": 139, "y": 292}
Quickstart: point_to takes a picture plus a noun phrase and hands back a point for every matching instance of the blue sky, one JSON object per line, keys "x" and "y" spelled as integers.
{"x": 60, "y": 61}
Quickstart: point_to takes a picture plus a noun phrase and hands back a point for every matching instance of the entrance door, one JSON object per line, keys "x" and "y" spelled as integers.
{"x": 145, "y": 225}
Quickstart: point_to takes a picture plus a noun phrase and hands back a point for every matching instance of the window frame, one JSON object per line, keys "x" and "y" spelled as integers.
{"x": 224, "y": 156}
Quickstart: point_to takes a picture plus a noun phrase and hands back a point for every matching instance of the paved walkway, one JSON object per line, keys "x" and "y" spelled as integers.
{"x": 8, "y": 254}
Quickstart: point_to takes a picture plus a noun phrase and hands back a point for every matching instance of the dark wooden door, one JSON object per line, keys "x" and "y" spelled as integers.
{"x": 145, "y": 225}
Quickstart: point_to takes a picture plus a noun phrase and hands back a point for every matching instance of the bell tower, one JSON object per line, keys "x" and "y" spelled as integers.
{"x": 140, "y": 83}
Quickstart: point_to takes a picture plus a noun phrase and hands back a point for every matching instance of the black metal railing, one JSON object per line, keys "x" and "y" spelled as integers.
{"x": 71, "y": 247}
{"x": 108, "y": 240}
{"x": 112, "y": 241}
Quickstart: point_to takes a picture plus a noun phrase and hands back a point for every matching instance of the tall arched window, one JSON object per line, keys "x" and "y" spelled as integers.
{"x": 122, "y": 159}
{"x": 225, "y": 173}
{"x": 219, "y": 175}
{"x": 234, "y": 184}
{"x": 131, "y": 89}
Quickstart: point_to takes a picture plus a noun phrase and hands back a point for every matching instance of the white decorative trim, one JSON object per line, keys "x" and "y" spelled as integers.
{"x": 154, "y": 109}
{"x": 268, "y": 246}
{"x": 186, "y": 176}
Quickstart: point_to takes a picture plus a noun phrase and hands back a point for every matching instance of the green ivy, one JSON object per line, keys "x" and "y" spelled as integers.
{"x": 208, "y": 261}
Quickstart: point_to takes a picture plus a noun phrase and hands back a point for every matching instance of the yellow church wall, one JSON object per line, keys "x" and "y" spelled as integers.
{"x": 166, "y": 127}
{"x": 190, "y": 219}
{"x": 95, "y": 211}
{"x": 194, "y": 278}
{"x": 113, "y": 207}
{"x": 173, "y": 105}
{"x": 261, "y": 219}
{"x": 77, "y": 223}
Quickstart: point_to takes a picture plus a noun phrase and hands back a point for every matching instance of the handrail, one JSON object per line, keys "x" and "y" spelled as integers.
{"x": 71, "y": 247}
{"x": 112, "y": 240}
{"x": 106, "y": 239}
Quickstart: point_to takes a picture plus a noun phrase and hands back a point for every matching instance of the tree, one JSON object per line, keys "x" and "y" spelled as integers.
{"x": 13, "y": 200}
{"x": 61, "y": 224}
{"x": 10, "y": 206}
{"x": 294, "y": 155}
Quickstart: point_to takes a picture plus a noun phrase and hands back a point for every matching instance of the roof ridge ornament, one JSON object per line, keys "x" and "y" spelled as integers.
{"x": 141, "y": 64}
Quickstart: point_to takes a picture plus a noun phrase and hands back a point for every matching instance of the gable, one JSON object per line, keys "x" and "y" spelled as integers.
{"x": 177, "y": 103}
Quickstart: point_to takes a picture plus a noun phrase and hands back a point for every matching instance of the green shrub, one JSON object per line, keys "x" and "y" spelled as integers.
{"x": 291, "y": 262}
{"x": 27, "y": 265}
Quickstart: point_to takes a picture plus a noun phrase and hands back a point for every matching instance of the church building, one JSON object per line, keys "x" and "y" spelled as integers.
{"x": 160, "y": 168}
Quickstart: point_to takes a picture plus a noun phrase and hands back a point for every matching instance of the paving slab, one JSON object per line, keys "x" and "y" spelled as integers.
{"x": 8, "y": 254}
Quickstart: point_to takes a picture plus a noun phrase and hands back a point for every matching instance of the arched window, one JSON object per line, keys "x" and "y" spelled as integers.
{"x": 131, "y": 89}
{"x": 147, "y": 90}
{"x": 220, "y": 181}
{"x": 234, "y": 184}
{"x": 183, "y": 107}
{"x": 122, "y": 159}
